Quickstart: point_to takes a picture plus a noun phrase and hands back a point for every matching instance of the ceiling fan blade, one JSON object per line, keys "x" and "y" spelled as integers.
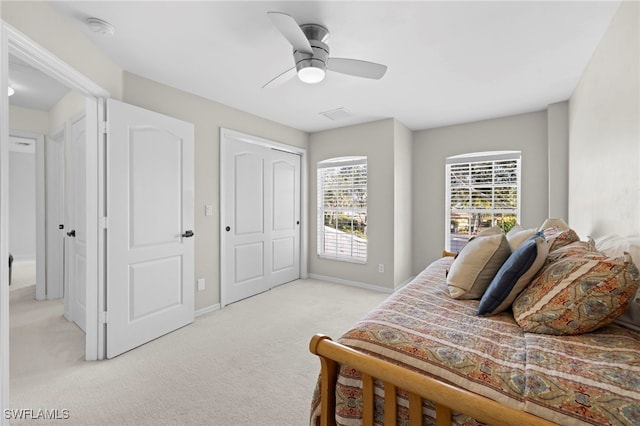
{"x": 291, "y": 31}
{"x": 357, "y": 67}
{"x": 281, "y": 79}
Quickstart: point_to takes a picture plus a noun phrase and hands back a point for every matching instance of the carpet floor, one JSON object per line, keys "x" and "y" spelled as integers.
{"x": 247, "y": 364}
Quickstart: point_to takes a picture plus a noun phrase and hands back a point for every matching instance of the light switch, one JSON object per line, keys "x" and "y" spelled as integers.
{"x": 208, "y": 210}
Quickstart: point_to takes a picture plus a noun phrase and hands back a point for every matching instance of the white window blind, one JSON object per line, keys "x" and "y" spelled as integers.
{"x": 483, "y": 190}
{"x": 342, "y": 208}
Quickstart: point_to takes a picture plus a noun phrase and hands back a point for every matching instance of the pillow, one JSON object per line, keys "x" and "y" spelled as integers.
{"x": 560, "y": 237}
{"x": 577, "y": 295}
{"x": 516, "y": 228}
{"x": 494, "y": 230}
{"x": 519, "y": 236}
{"x": 514, "y": 275}
{"x": 574, "y": 249}
{"x": 476, "y": 265}
{"x": 615, "y": 245}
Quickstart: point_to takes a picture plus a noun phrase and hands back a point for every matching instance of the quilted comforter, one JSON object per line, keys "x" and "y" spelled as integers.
{"x": 592, "y": 378}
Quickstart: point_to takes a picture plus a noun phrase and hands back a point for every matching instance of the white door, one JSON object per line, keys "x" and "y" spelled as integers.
{"x": 261, "y": 218}
{"x": 76, "y": 235}
{"x": 55, "y": 215}
{"x": 150, "y": 218}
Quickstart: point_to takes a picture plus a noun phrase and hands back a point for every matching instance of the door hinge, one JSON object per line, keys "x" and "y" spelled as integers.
{"x": 104, "y": 222}
{"x": 104, "y": 318}
{"x": 104, "y": 127}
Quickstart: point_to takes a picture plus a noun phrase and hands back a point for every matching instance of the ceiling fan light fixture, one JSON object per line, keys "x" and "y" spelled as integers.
{"x": 311, "y": 75}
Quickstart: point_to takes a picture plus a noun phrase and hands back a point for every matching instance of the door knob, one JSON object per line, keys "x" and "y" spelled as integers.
{"x": 188, "y": 234}
{"x": 228, "y": 228}
{"x": 71, "y": 233}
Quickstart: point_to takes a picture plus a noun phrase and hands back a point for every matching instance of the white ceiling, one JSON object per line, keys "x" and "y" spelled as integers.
{"x": 33, "y": 88}
{"x": 449, "y": 62}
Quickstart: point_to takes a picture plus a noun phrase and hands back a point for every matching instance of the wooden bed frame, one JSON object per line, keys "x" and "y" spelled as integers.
{"x": 445, "y": 397}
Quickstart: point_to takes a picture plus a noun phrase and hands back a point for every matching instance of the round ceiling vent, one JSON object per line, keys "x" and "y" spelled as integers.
{"x": 100, "y": 27}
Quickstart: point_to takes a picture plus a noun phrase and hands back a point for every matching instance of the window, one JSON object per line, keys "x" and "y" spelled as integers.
{"x": 342, "y": 208}
{"x": 483, "y": 190}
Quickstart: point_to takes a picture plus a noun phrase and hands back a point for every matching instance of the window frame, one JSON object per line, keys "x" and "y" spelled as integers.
{"x": 335, "y": 163}
{"x": 481, "y": 157}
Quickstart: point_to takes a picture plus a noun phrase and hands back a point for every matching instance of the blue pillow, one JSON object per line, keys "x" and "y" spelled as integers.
{"x": 514, "y": 276}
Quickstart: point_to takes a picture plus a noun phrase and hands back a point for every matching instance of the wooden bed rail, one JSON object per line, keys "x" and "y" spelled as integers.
{"x": 446, "y": 398}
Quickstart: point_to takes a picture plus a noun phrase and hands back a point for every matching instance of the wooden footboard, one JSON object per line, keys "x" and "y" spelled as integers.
{"x": 446, "y": 398}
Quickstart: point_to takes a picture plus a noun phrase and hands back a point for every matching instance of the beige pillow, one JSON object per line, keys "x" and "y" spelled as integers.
{"x": 494, "y": 230}
{"x": 476, "y": 265}
{"x": 518, "y": 237}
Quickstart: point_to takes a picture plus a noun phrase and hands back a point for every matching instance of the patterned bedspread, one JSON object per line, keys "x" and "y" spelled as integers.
{"x": 587, "y": 379}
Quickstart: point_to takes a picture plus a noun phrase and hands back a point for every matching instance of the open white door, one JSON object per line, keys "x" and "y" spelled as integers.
{"x": 261, "y": 218}
{"x": 76, "y": 234}
{"x": 150, "y": 218}
{"x": 55, "y": 214}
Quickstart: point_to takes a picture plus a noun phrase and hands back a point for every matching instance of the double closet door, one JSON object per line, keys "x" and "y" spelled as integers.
{"x": 260, "y": 218}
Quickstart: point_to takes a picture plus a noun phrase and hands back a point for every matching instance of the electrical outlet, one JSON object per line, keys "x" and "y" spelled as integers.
{"x": 200, "y": 284}
{"x": 381, "y": 268}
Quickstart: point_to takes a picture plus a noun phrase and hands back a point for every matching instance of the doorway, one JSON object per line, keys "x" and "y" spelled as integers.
{"x": 17, "y": 44}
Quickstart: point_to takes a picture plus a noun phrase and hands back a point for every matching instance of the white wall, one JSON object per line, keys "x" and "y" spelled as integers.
{"x": 208, "y": 117}
{"x": 72, "y": 104}
{"x": 28, "y": 120}
{"x": 22, "y": 185}
{"x": 22, "y": 205}
{"x": 524, "y": 132}
{"x": 604, "y": 129}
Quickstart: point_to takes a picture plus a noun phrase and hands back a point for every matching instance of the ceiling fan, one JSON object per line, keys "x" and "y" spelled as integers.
{"x": 311, "y": 54}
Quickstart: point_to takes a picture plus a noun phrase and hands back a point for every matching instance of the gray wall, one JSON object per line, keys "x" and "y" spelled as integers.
{"x": 558, "y": 133}
{"x": 604, "y": 128}
{"x": 524, "y": 132}
{"x": 375, "y": 141}
{"x": 402, "y": 192}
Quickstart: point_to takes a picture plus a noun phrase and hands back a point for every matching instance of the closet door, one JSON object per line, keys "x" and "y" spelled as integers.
{"x": 260, "y": 220}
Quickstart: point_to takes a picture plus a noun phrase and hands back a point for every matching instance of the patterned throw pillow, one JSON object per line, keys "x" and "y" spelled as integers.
{"x": 558, "y": 238}
{"x": 476, "y": 265}
{"x": 577, "y": 248}
{"x": 577, "y": 294}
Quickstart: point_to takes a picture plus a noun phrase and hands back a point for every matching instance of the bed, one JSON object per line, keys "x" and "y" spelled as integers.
{"x": 423, "y": 357}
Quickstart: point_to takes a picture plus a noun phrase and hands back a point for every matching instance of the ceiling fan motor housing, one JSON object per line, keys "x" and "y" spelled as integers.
{"x": 317, "y": 35}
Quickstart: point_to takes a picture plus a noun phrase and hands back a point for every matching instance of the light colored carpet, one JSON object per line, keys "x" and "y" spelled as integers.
{"x": 247, "y": 364}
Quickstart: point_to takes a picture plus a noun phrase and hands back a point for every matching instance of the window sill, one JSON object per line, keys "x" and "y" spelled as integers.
{"x": 343, "y": 259}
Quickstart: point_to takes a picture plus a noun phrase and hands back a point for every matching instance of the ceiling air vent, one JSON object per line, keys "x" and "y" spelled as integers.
{"x": 337, "y": 114}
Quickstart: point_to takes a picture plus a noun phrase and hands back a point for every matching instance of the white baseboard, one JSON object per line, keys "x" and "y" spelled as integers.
{"x": 352, "y": 283}
{"x": 407, "y": 281}
{"x": 207, "y": 310}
